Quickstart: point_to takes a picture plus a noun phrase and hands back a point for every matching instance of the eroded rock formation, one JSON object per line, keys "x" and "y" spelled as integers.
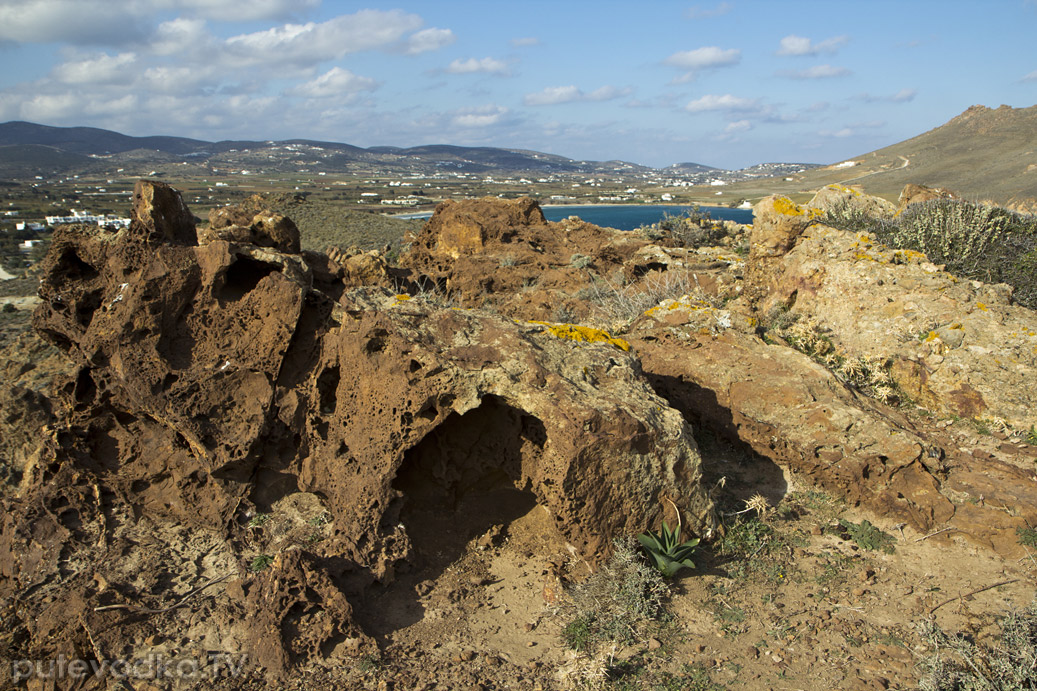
{"x": 214, "y": 382}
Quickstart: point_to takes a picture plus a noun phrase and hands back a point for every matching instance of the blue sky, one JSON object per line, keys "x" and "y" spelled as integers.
{"x": 727, "y": 84}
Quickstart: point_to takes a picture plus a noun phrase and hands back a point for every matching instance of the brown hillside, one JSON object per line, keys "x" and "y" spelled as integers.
{"x": 984, "y": 154}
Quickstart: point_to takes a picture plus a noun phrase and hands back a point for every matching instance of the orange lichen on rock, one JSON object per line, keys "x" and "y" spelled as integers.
{"x": 582, "y": 334}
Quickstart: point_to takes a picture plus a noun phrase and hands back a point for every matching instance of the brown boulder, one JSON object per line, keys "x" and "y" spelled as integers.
{"x": 916, "y": 194}
{"x": 160, "y": 215}
{"x": 458, "y": 228}
{"x": 836, "y": 197}
{"x": 241, "y": 224}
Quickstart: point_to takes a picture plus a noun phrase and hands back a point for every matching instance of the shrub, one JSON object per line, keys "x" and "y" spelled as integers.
{"x": 975, "y": 241}
{"x": 579, "y": 261}
{"x": 614, "y": 604}
{"x": 692, "y": 228}
{"x": 958, "y": 662}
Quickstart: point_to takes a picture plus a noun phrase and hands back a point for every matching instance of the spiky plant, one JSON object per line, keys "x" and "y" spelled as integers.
{"x": 666, "y": 551}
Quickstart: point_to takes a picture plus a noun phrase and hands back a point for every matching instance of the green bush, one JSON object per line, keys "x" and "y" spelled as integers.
{"x": 693, "y": 228}
{"x": 974, "y": 241}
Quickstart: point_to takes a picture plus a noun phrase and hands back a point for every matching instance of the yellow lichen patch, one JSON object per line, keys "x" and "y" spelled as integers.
{"x": 931, "y": 337}
{"x": 981, "y": 306}
{"x": 843, "y": 188}
{"x": 906, "y": 256}
{"x": 784, "y": 205}
{"x": 582, "y": 334}
{"x": 402, "y": 296}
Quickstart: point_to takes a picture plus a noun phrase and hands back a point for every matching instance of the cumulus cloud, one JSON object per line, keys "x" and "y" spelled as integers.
{"x": 799, "y": 45}
{"x": 484, "y": 116}
{"x": 837, "y": 134}
{"x": 429, "y": 39}
{"x": 78, "y": 22}
{"x": 902, "y": 96}
{"x": 100, "y": 69}
{"x": 726, "y": 102}
{"x": 471, "y": 65}
{"x": 253, "y": 10}
{"x": 335, "y": 83}
{"x": 705, "y": 58}
{"x": 311, "y": 43}
{"x": 555, "y": 95}
{"x": 698, "y": 12}
{"x": 1032, "y": 77}
{"x": 816, "y": 72}
{"x": 738, "y": 126}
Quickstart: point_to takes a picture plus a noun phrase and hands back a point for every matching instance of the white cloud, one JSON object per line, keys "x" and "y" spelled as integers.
{"x": 902, "y": 96}
{"x": 487, "y": 65}
{"x": 79, "y": 22}
{"x": 253, "y": 10}
{"x": 525, "y": 41}
{"x": 177, "y": 35}
{"x": 1032, "y": 77}
{"x": 725, "y": 102}
{"x": 698, "y": 12}
{"x": 101, "y": 69}
{"x": 311, "y": 43}
{"x": 799, "y": 45}
{"x": 484, "y": 116}
{"x": 738, "y": 126}
{"x": 816, "y": 72}
{"x": 555, "y": 95}
{"x": 429, "y": 39}
{"x": 705, "y": 58}
{"x": 335, "y": 83}
{"x": 837, "y": 134}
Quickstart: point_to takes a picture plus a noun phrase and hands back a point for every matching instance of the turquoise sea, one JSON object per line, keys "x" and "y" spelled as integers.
{"x": 629, "y": 217}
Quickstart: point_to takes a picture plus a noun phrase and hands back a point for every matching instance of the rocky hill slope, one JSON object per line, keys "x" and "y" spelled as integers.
{"x": 338, "y": 466}
{"x": 982, "y": 154}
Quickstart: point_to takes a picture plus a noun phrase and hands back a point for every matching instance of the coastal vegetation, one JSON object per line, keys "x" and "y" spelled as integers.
{"x": 975, "y": 241}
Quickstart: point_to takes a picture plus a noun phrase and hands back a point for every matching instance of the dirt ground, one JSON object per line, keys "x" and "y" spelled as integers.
{"x": 784, "y": 601}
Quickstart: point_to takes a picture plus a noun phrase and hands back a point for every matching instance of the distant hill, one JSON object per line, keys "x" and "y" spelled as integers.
{"x": 982, "y": 154}
{"x": 66, "y": 148}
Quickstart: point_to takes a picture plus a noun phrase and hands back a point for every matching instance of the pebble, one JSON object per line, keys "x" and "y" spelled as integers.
{"x": 654, "y": 644}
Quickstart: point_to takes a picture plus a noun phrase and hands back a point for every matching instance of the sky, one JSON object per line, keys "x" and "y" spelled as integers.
{"x": 724, "y": 83}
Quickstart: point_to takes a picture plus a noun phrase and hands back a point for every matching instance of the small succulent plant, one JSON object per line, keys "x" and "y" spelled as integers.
{"x": 666, "y": 551}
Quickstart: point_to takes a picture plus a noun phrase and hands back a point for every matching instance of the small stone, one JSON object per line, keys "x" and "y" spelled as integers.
{"x": 858, "y": 592}
{"x": 531, "y": 644}
{"x": 654, "y": 644}
{"x": 815, "y": 530}
{"x": 467, "y": 656}
{"x": 753, "y": 652}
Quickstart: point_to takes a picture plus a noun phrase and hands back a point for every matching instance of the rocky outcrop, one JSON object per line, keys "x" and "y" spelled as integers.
{"x": 727, "y": 368}
{"x": 215, "y": 382}
{"x": 916, "y": 194}
{"x": 842, "y": 198}
{"x": 957, "y": 347}
{"x": 710, "y": 364}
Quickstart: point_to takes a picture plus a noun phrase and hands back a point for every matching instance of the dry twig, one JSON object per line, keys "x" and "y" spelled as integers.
{"x": 179, "y": 603}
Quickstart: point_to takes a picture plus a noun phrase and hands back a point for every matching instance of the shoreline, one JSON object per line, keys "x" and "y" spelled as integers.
{"x": 423, "y": 214}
